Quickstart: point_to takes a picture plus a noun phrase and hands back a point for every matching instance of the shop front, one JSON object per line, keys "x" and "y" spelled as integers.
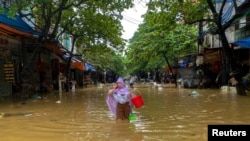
{"x": 59, "y": 57}
{"x": 10, "y": 63}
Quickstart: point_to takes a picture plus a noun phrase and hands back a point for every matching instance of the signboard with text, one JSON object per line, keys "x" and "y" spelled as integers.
{"x": 9, "y": 72}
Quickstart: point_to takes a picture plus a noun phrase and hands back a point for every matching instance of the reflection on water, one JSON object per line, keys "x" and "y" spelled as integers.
{"x": 169, "y": 114}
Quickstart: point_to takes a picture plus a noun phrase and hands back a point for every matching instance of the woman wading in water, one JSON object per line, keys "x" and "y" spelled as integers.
{"x": 118, "y": 100}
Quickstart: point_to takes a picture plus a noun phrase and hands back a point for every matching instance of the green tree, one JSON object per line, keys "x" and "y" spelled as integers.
{"x": 205, "y": 11}
{"x": 159, "y": 42}
{"x": 95, "y": 24}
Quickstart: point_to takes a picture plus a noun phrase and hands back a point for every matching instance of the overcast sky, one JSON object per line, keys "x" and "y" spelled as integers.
{"x": 132, "y": 18}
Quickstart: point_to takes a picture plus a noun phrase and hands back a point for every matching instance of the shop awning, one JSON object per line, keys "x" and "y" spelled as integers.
{"x": 245, "y": 42}
{"x": 78, "y": 65}
{"x": 63, "y": 53}
{"x": 18, "y": 24}
{"x": 53, "y": 47}
{"x": 10, "y": 31}
{"x": 90, "y": 67}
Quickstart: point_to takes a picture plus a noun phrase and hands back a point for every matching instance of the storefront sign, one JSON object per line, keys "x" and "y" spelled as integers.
{"x": 9, "y": 72}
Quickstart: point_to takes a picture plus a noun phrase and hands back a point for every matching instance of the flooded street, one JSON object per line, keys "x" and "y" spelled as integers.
{"x": 169, "y": 114}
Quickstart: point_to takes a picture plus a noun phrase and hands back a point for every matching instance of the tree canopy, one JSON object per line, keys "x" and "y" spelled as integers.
{"x": 160, "y": 34}
{"x": 94, "y": 24}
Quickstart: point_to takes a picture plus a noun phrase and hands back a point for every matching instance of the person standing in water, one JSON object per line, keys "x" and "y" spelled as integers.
{"x": 118, "y": 100}
{"x": 131, "y": 82}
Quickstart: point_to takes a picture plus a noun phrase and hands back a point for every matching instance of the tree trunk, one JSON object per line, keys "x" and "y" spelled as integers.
{"x": 230, "y": 63}
{"x": 240, "y": 89}
{"x": 231, "y": 66}
{"x": 68, "y": 72}
{"x": 170, "y": 68}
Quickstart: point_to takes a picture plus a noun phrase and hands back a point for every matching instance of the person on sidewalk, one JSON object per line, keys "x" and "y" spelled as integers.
{"x": 118, "y": 100}
{"x": 131, "y": 82}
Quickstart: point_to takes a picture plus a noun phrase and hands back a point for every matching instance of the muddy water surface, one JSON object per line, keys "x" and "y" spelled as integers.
{"x": 169, "y": 114}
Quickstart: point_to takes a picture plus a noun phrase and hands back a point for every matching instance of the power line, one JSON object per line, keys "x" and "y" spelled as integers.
{"x": 131, "y": 19}
{"x": 142, "y": 3}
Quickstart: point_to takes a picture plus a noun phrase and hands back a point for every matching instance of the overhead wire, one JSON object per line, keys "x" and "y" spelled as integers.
{"x": 131, "y": 20}
{"x": 142, "y": 3}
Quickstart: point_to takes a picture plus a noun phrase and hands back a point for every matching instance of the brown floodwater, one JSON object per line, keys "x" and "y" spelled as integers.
{"x": 169, "y": 114}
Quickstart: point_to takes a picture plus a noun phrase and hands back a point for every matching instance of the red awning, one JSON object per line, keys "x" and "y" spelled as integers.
{"x": 78, "y": 65}
{"x": 54, "y": 48}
